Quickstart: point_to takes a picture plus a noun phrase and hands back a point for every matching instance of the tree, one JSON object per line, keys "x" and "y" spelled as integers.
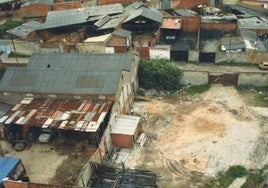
{"x": 159, "y": 74}
{"x": 9, "y": 24}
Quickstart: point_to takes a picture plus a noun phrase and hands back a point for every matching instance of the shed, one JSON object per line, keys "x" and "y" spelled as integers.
{"x": 142, "y": 18}
{"x": 125, "y": 131}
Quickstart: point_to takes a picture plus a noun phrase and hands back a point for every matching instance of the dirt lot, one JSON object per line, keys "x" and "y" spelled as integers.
{"x": 58, "y": 162}
{"x": 190, "y": 138}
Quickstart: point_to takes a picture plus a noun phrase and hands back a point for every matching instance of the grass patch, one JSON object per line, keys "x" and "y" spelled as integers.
{"x": 226, "y": 178}
{"x": 232, "y": 63}
{"x": 255, "y": 95}
{"x": 254, "y": 178}
{"x": 253, "y": 181}
{"x": 14, "y": 55}
{"x": 197, "y": 89}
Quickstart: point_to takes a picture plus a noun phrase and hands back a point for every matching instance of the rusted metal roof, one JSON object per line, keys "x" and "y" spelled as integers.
{"x": 169, "y": 23}
{"x": 77, "y": 115}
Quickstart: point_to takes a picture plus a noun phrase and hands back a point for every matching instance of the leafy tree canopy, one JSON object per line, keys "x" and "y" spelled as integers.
{"x": 9, "y": 24}
{"x": 159, "y": 74}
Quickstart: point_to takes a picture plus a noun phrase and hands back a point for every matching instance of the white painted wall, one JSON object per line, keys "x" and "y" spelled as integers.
{"x": 160, "y": 52}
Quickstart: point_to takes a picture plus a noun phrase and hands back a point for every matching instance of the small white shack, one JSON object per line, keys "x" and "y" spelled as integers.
{"x": 125, "y": 131}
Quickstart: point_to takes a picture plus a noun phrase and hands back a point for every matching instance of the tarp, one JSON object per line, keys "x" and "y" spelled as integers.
{"x": 7, "y": 164}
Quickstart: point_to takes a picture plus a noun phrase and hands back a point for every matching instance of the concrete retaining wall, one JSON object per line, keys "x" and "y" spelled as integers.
{"x": 244, "y": 78}
{"x": 91, "y": 47}
{"x": 231, "y": 57}
{"x": 193, "y": 56}
{"x": 27, "y": 48}
{"x": 253, "y": 78}
{"x": 194, "y": 77}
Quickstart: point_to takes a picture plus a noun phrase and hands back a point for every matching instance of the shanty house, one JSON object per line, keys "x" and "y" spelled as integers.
{"x": 125, "y": 131}
{"x": 171, "y": 29}
{"x": 190, "y": 20}
{"x": 142, "y": 18}
{"x": 74, "y": 25}
{"x": 25, "y": 31}
{"x": 120, "y": 41}
{"x": 70, "y": 92}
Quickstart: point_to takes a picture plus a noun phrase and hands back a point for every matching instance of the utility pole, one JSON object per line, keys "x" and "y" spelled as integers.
{"x": 14, "y": 49}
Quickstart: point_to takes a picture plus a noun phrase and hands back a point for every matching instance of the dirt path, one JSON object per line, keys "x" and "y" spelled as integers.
{"x": 190, "y": 138}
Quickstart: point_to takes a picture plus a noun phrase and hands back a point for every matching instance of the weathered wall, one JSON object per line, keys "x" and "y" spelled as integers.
{"x": 27, "y": 48}
{"x": 84, "y": 176}
{"x": 193, "y": 56}
{"x": 66, "y": 5}
{"x": 104, "y": 2}
{"x": 16, "y": 184}
{"x": 91, "y": 47}
{"x": 194, "y": 77}
{"x": 231, "y": 57}
{"x": 219, "y": 26}
{"x": 188, "y": 4}
{"x": 124, "y": 96}
{"x": 160, "y": 52}
{"x": 254, "y": 57}
{"x": 253, "y": 78}
{"x": 244, "y": 78}
{"x": 191, "y": 24}
{"x": 38, "y": 10}
{"x": 34, "y": 10}
{"x": 120, "y": 49}
{"x": 122, "y": 141}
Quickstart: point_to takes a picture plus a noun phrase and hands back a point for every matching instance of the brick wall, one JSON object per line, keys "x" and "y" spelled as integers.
{"x": 16, "y": 184}
{"x": 219, "y": 26}
{"x": 188, "y": 4}
{"x": 104, "y": 2}
{"x": 35, "y": 10}
{"x": 191, "y": 24}
{"x": 66, "y": 5}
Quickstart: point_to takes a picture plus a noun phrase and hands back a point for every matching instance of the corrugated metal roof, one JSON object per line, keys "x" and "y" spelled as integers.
{"x": 134, "y": 6}
{"x": 253, "y": 23}
{"x": 122, "y": 32}
{"x": 113, "y": 22}
{"x": 77, "y": 115}
{"x": 5, "y": 1}
{"x": 7, "y": 164}
{"x": 171, "y": 23}
{"x": 166, "y": 4}
{"x": 102, "y": 21}
{"x": 139, "y": 9}
{"x": 233, "y": 43}
{"x": 25, "y": 29}
{"x": 252, "y": 41}
{"x": 4, "y": 108}
{"x": 80, "y": 15}
{"x": 68, "y": 74}
{"x": 185, "y": 13}
{"x": 125, "y": 124}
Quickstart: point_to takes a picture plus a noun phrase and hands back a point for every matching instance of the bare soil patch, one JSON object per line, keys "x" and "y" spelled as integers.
{"x": 193, "y": 137}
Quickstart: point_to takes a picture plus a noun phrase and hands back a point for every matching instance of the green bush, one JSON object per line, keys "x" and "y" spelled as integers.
{"x": 226, "y": 178}
{"x": 253, "y": 181}
{"x": 159, "y": 74}
{"x": 9, "y": 24}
